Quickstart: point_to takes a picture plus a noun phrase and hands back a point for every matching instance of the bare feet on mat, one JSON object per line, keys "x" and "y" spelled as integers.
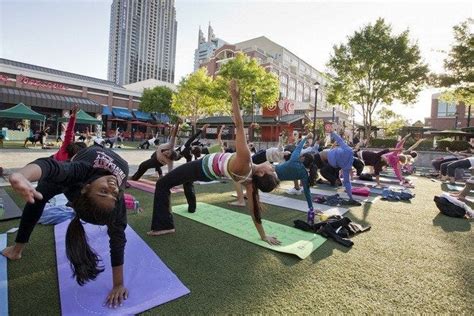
{"x": 160, "y": 232}
{"x": 237, "y": 203}
{"x": 11, "y": 253}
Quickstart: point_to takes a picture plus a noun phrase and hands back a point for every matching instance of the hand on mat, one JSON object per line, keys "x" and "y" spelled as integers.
{"x": 22, "y": 186}
{"x": 116, "y": 296}
{"x": 272, "y": 240}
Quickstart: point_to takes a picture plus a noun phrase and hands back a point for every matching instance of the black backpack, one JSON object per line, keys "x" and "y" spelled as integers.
{"x": 448, "y": 208}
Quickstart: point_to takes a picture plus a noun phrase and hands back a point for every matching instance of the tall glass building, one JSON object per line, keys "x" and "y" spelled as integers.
{"x": 142, "y": 43}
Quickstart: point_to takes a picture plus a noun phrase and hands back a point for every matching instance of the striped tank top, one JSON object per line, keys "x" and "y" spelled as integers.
{"x": 215, "y": 166}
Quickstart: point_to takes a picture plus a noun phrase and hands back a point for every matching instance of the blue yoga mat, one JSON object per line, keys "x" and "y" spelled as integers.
{"x": 3, "y": 278}
{"x": 149, "y": 281}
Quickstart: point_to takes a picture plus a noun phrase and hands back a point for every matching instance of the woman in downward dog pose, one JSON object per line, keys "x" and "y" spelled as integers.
{"x": 237, "y": 167}
{"x": 93, "y": 183}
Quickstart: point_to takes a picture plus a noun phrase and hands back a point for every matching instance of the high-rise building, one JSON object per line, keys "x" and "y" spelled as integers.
{"x": 206, "y": 48}
{"x": 142, "y": 42}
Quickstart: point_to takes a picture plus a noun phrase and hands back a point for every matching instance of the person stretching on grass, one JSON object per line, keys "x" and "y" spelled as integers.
{"x": 272, "y": 155}
{"x": 236, "y": 166}
{"x": 93, "y": 182}
{"x": 340, "y": 157}
{"x": 164, "y": 155}
{"x": 68, "y": 147}
{"x": 396, "y": 160}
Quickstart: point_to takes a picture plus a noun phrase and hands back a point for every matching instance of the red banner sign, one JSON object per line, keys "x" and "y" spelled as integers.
{"x": 41, "y": 83}
{"x": 3, "y": 78}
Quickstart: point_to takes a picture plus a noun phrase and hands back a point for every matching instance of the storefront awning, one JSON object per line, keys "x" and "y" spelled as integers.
{"x": 122, "y": 113}
{"x": 161, "y": 117}
{"x": 142, "y": 116}
{"x": 47, "y": 100}
{"x": 105, "y": 110}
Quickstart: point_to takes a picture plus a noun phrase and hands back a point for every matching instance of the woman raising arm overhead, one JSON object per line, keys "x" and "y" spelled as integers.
{"x": 236, "y": 166}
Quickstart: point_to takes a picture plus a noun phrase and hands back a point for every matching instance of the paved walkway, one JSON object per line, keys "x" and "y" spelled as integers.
{"x": 12, "y": 159}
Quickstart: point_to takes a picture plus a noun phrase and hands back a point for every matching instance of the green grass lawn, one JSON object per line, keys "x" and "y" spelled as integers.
{"x": 413, "y": 260}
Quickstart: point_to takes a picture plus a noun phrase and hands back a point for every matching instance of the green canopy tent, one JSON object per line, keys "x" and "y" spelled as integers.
{"x": 21, "y": 111}
{"x": 81, "y": 118}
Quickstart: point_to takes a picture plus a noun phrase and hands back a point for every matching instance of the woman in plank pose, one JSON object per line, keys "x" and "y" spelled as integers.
{"x": 93, "y": 183}
{"x": 237, "y": 167}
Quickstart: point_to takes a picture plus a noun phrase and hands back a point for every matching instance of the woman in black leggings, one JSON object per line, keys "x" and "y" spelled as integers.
{"x": 448, "y": 169}
{"x": 237, "y": 167}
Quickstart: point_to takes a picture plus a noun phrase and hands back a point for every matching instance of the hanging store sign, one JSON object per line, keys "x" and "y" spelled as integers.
{"x": 41, "y": 83}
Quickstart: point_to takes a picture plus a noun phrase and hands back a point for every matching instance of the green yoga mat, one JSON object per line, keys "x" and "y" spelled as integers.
{"x": 293, "y": 241}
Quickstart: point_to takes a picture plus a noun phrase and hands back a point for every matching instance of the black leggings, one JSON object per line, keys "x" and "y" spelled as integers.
{"x": 330, "y": 173}
{"x": 259, "y": 157}
{"x": 185, "y": 174}
{"x": 148, "y": 164}
{"x": 145, "y": 145}
{"x": 438, "y": 162}
{"x": 449, "y": 168}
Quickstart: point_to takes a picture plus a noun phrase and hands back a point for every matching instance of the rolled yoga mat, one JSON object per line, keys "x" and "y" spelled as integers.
{"x": 10, "y": 210}
{"x": 149, "y": 281}
{"x": 293, "y": 241}
{"x": 3, "y": 278}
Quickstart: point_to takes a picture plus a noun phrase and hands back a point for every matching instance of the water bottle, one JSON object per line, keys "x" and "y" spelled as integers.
{"x": 310, "y": 218}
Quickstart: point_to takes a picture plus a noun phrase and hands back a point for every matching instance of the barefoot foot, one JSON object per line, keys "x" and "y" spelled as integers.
{"x": 237, "y": 203}
{"x": 160, "y": 232}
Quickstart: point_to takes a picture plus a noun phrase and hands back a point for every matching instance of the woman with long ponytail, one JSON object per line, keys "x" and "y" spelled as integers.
{"x": 93, "y": 182}
{"x": 237, "y": 167}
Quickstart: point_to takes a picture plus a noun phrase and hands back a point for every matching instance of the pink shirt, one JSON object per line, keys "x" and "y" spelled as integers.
{"x": 392, "y": 159}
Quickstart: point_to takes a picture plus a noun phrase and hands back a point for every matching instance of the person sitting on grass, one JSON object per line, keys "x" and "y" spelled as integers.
{"x": 93, "y": 182}
{"x": 237, "y": 167}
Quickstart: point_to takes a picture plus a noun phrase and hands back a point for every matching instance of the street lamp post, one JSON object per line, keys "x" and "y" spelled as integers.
{"x": 316, "y": 87}
{"x": 456, "y": 121}
{"x": 253, "y": 114}
{"x": 333, "y": 114}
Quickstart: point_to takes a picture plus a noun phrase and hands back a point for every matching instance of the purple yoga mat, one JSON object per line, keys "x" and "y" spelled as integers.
{"x": 149, "y": 281}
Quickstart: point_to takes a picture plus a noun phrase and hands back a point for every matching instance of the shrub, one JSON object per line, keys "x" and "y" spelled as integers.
{"x": 456, "y": 145}
{"x": 382, "y": 143}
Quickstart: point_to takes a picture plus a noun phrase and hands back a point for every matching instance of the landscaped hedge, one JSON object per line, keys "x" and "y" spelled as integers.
{"x": 382, "y": 143}
{"x": 455, "y": 145}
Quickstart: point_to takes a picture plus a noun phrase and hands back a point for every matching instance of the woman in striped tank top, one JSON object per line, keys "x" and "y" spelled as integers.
{"x": 234, "y": 166}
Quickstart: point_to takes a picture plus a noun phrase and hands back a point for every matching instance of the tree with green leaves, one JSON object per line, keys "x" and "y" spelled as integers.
{"x": 390, "y": 121}
{"x": 157, "y": 99}
{"x": 375, "y": 67}
{"x": 195, "y": 97}
{"x": 459, "y": 67}
{"x": 252, "y": 78}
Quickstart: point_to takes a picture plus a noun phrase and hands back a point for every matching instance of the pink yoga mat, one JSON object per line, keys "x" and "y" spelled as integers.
{"x": 149, "y": 281}
{"x": 149, "y": 187}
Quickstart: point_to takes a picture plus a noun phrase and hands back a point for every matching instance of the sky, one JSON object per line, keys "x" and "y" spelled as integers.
{"x": 72, "y": 35}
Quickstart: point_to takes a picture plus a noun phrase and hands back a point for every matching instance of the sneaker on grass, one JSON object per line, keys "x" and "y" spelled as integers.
{"x": 294, "y": 191}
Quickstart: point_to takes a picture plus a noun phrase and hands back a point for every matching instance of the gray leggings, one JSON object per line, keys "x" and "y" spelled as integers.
{"x": 449, "y": 168}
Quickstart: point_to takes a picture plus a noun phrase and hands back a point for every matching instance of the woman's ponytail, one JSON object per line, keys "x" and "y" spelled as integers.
{"x": 84, "y": 261}
{"x": 256, "y": 204}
